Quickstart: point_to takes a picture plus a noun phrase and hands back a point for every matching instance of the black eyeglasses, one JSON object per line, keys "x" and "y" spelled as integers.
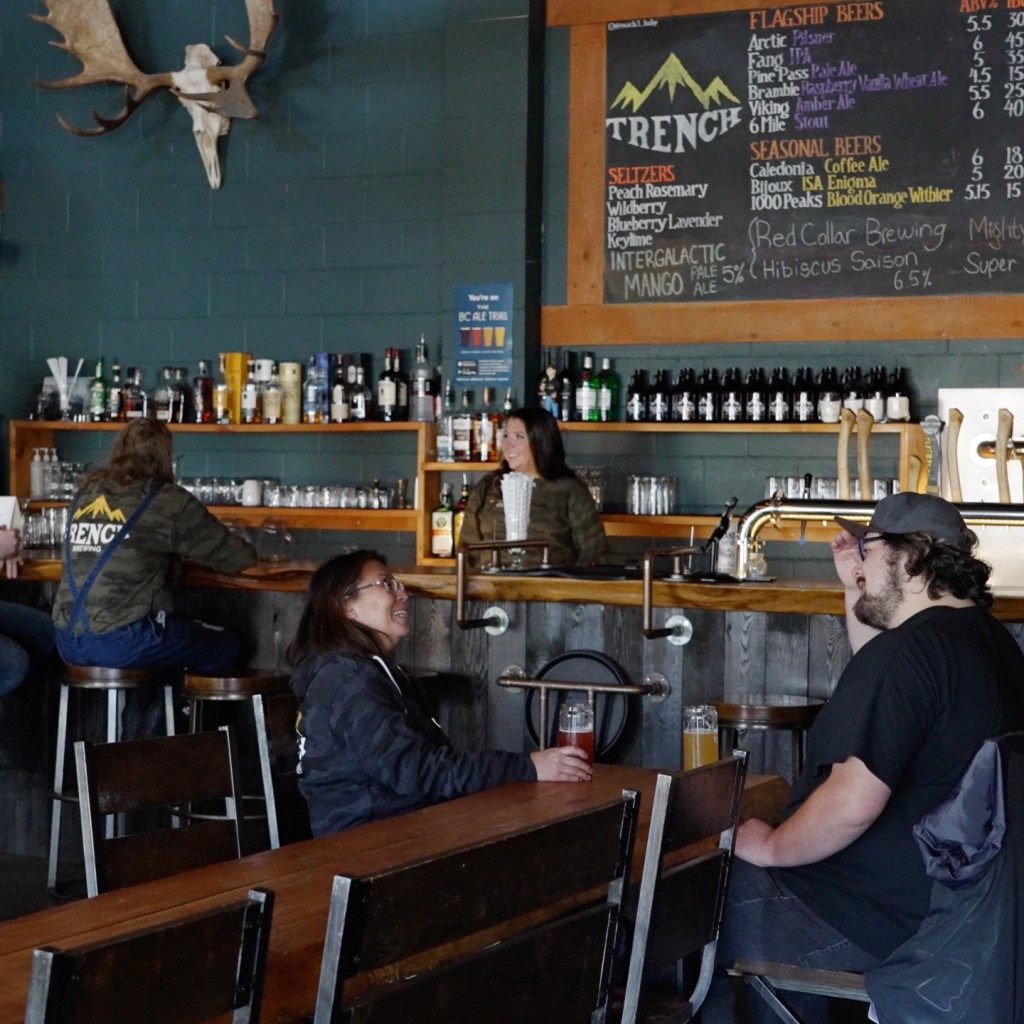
{"x": 862, "y": 543}
{"x": 389, "y": 583}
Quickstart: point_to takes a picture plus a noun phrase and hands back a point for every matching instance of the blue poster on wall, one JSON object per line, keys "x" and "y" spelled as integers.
{"x": 483, "y": 335}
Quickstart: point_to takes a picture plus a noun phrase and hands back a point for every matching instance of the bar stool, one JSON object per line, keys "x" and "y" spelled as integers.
{"x": 772, "y": 712}
{"x": 115, "y": 682}
{"x": 202, "y": 688}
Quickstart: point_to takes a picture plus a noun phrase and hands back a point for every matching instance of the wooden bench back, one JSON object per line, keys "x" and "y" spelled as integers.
{"x": 157, "y": 772}
{"x": 686, "y": 870}
{"x": 502, "y": 886}
{"x": 193, "y": 969}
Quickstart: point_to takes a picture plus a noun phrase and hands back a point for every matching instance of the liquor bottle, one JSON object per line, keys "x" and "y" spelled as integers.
{"x": 875, "y": 393}
{"x": 401, "y": 386}
{"x": 684, "y": 396}
{"x": 805, "y": 396}
{"x": 732, "y": 396}
{"x": 311, "y": 393}
{"x": 387, "y": 391}
{"x": 222, "y": 393}
{"x": 756, "y": 398}
{"x": 442, "y": 525}
{"x": 444, "y": 425}
{"x": 251, "y": 412}
{"x": 485, "y": 429}
{"x": 202, "y": 391}
{"x": 460, "y": 510}
{"x": 462, "y": 430}
{"x": 608, "y": 388}
{"x": 164, "y": 397}
{"x": 360, "y": 398}
{"x": 421, "y": 399}
{"x": 136, "y": 399}
{"x": 566, "y": 389}
{"x": 636, "y": 398}
{"x": 340, "y": 408}
{"x": 852, "y": 388}
{"x": 658, "y": 398}
{"x": 186, "y": 412}
{"x": 507, "y": 408}
{"x": 897, "y": 401}
{"x": 98, "y": 394}
{"x": 115, "y": 407}
{"x": 708, "y": 396}
{"x": 586, "y": 391}
{"x": 830, "y": 399}
{"x": 780, "y": 409}
{"x": 272, "y": 404}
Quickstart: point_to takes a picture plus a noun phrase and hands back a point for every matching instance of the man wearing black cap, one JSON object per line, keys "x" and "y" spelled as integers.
{"x": 841, "y": 883}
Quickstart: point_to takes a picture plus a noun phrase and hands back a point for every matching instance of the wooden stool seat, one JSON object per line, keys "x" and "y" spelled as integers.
{"x": 746, "y": 712}
{"x": 115, "y": 682}
{"x": 239, "y": 686}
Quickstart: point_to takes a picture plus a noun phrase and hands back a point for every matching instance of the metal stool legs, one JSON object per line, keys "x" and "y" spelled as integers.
{"x": 112, "y": 733}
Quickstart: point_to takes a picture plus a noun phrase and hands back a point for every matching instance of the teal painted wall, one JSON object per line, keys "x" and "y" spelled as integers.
{"x": 388, "y": 167}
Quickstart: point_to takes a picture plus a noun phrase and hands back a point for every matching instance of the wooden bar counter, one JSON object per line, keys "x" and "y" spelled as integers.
{"x": 807, "y": 597}
{"x": 300, "y": 876}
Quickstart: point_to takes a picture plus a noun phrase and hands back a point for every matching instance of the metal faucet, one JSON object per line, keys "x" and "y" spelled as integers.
{"x": 774, "y": 511}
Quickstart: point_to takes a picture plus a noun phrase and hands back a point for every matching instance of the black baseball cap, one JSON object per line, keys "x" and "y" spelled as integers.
{"x": 908, "y": 512}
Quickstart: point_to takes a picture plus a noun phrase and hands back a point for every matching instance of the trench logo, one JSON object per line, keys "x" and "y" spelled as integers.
{"x": 673, "y": 133}
{"x": 99, "y": 508}
{"x": 94, "y": 535}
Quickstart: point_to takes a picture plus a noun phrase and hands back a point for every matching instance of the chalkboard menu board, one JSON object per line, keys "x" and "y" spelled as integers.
{"x": 843, "y": 149}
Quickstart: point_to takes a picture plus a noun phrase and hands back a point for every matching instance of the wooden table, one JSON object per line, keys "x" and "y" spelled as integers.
{"x": 301, "y": 876}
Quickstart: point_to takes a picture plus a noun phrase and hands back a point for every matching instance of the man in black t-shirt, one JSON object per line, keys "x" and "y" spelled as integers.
{"x": 840, "y": 883}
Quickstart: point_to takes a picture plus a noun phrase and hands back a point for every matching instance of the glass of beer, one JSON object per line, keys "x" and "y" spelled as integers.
{"x": 576, "y": 727}
{"x": 700, "y": 735}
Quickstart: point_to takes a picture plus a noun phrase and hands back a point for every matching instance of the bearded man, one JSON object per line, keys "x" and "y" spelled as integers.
{"x": 840, "y": 883}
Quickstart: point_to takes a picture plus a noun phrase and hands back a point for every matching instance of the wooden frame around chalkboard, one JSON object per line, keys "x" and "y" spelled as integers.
{"x": 586, "y": 319}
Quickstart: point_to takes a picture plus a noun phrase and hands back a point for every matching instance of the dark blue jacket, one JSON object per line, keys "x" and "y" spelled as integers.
{"x": 368, "y": 750}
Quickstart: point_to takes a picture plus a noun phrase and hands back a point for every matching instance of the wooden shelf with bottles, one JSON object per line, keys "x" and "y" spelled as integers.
{"x": 26, "y": 435}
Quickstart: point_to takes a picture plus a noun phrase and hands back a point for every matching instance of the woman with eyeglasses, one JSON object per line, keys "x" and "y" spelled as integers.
{"x": 367, "y": 747}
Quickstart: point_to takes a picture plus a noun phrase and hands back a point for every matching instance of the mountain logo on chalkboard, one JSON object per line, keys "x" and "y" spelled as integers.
{"x": 673, "y": 75}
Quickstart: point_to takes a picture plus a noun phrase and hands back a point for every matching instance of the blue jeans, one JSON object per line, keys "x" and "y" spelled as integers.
{"x": 26, "y": 633}
{"x": 152, "y": 642}
{"x": 765, "y": 921}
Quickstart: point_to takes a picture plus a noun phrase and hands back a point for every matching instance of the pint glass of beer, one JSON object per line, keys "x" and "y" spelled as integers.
{"x": 576, "y": 728}
{"x": 700, "y": 735}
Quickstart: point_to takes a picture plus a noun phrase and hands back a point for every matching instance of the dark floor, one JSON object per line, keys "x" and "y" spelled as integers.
{"x": 23, "y": 886}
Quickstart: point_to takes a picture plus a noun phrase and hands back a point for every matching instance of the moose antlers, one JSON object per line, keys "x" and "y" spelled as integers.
{"x": 91, "y": 34}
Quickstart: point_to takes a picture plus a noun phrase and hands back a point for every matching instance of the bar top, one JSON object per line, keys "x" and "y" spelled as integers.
{"x": 808, "y": 597}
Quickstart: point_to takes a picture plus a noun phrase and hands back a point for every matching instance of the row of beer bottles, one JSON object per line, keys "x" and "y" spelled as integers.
{"x": 760, "y": 397}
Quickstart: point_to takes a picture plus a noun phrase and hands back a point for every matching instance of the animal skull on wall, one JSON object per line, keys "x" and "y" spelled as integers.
{"x": 211, "y": 92}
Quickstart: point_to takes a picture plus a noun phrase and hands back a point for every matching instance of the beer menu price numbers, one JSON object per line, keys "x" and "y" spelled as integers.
{"x": 846, "y": 149}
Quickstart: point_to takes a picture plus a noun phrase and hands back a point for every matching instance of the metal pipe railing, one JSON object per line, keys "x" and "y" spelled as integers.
{"x": 678, "y": 628}
{"x": 773, "y": 512}
{"x": 497, "y": 619}
{"x": 657, "y": 688}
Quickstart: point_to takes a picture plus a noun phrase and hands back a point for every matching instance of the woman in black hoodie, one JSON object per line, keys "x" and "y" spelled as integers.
{"x": 367, "y": 747}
